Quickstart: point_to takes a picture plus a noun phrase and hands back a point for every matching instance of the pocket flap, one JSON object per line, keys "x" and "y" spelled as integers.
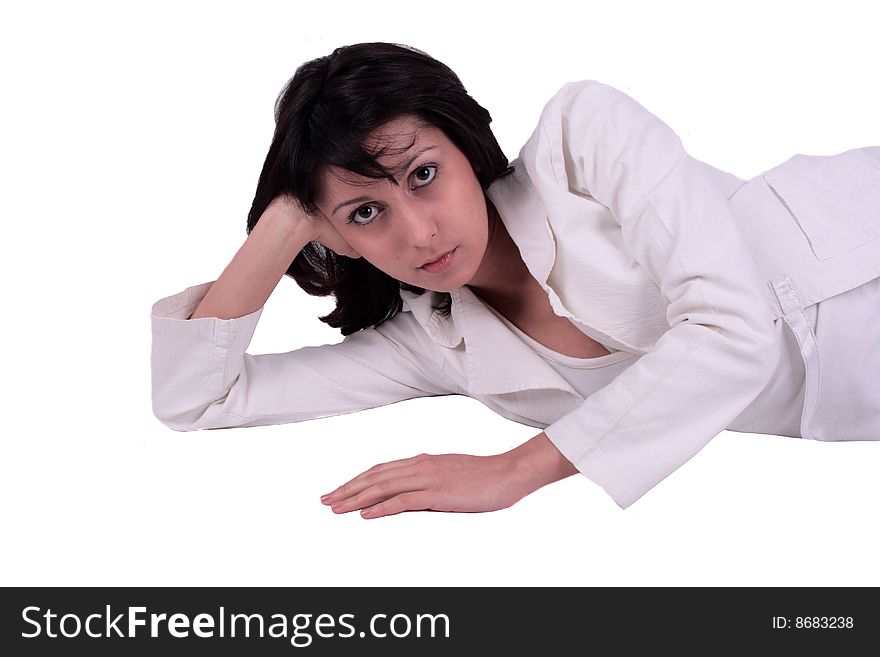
{"x": 835, "y": 199}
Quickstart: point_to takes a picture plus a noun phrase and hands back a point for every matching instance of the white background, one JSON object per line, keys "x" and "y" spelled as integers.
{"x": 131, "y": 139}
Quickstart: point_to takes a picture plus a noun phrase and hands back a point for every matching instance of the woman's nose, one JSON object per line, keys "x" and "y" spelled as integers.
{"x": 420, "y": 228}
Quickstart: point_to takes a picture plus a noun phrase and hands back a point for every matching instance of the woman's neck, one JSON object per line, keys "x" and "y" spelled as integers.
{"x": 502, "y": 279}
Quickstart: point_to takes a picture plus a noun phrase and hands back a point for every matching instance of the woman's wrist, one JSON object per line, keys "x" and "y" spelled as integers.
{"x": 536, "y": 463}
{"x": 280, "y": 225}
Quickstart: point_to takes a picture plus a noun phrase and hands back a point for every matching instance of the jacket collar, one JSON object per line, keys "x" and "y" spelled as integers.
{"x": 525, "y": 217}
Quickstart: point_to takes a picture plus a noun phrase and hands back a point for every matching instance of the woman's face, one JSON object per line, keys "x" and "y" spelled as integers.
{"x": 438, "y": 207}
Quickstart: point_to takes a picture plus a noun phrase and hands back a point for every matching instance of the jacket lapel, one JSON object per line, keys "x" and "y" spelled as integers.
{"x": 526, "y": 218}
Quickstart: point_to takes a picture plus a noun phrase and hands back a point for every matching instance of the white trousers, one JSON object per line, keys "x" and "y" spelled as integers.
{"x": 839, "y": 340}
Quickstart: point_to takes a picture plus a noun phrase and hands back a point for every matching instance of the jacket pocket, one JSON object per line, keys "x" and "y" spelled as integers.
{"x": 834, "y": 199}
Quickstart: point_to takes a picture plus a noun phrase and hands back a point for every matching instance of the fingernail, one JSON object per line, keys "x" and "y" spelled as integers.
{"x": 324, "y": 498}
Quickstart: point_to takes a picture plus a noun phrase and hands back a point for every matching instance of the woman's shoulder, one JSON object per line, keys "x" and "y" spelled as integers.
{"x": 608, "y": 112}
{"x": 590, "y": 90}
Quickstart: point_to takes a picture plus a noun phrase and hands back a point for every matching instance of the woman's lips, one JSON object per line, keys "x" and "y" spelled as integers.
{"x": 442, "y": 264}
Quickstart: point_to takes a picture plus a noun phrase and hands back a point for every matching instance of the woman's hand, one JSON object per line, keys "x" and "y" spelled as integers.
{"x": 453, "y": 482}
{"x": 322, "y": 230}
{"x": 444, "y": 482}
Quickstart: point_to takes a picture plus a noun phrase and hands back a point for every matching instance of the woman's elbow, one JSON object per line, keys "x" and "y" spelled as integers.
{"x": 184, "y": 418}
{"x": 175, "y": 422}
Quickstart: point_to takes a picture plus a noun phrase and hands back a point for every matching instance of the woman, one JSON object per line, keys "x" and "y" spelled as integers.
{"x": 606, "y": 287}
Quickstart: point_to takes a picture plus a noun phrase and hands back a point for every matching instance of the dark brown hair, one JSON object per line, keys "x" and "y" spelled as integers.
{"x": 323, "y": 116}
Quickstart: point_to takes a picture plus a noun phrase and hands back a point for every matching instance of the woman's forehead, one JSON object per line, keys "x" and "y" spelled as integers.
{"x": 395, "y": 149}
{"x": 396, "y": 137}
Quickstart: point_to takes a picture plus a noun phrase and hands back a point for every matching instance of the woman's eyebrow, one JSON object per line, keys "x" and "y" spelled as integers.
{"x": 397, "y": 171}
{"x": 401, "y": 169}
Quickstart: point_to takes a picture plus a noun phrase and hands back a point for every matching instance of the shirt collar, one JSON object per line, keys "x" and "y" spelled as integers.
{"x": 442, "y": 330}
{"x": 495, "y": 360}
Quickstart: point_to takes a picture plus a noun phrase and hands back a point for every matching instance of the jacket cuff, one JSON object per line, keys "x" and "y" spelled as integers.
{"x": 215, "y": 344}
{"x": 170, "y": 319}
{"x": 592, "y": 462}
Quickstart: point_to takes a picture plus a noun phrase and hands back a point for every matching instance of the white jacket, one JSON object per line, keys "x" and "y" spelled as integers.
{"x": 644, "y": 248}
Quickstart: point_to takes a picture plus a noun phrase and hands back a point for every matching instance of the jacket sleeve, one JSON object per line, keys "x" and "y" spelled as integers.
{"x": 202, "y": 377}
{"x": 719, "y": 350}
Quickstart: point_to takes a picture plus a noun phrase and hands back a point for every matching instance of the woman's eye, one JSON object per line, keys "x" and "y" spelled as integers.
{"x": 363, "y": 215}
{"x": 425, "y": 174}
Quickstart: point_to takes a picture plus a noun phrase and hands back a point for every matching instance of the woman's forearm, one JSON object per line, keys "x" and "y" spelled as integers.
{"x": 252, "y": 275}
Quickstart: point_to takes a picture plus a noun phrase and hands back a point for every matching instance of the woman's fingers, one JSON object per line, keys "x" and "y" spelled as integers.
{"x": 379, "y": 491}
{"x": 412, "y": 501}
{"x": 396, "y": 463}
{"x": 367, "y": 478}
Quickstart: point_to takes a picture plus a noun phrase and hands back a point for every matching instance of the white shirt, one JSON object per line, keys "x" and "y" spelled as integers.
{"x": 695, "y": 279}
